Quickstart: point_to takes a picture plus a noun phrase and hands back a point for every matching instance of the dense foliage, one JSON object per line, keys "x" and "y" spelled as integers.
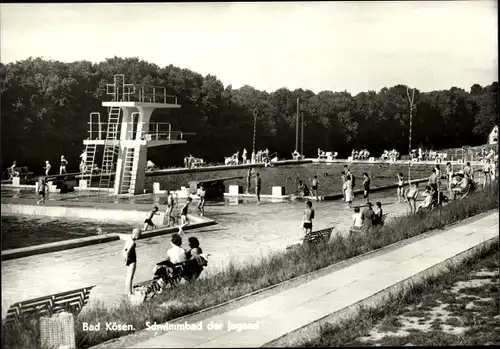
{"x": 45, "y": 108}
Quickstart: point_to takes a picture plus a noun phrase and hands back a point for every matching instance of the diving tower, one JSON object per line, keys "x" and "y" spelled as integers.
{"x": 127, "y": 134}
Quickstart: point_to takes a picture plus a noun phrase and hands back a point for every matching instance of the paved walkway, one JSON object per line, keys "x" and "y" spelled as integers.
{"x": 294, "y": 308}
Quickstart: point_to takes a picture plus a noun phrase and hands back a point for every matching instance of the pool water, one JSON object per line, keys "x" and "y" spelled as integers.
{"x": 19, "y": 231}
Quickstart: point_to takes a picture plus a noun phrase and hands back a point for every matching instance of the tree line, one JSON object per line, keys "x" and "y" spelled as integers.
{"x": 45, "y": 107}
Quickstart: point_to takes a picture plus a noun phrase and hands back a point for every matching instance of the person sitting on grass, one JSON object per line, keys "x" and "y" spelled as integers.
{"x": 149, "y": 220}
{"x": 378, "y": 218}
{"x": 411, "y": 196}
{"x": 462, "y": 184}
{"x": 193, "y": 271}
{"x": 428, "y": 195}
{"x": 357, "y": 221}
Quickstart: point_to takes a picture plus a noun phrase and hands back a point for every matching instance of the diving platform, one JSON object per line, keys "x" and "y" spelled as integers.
{"x": 128, "y": 133}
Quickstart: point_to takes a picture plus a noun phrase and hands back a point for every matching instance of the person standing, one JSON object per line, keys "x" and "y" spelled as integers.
{"x": 343, "y": 179}
{"x": 314, "y": 187}
{"x": 411, "y": 196}
{"x": 367, "y": 215}
{"x": 47, "y": 167}
{"x": 468, "y": 171}
{"x": 348, "y": 191}
{"x": 307, "y": 218}
{"x": 42, "y": 190}
{"x": 129, "y": 256}
{"x": 201, "y": 205}
{"x": 244, "y": 156}
{"x": 249, "y": 180}
{"x": 64, "y": 163}
{"x": 400, "y": 177}
{"x": 170, "y": 207}
{"x": 487, "y": 172}
{"x": 184, "y": 216}
{"x": 433, "y": 183}
{"x": 366, "y": 186}
{"x": 449, "y": 174}
{"x": 258, "y": 183}
{"x": 253, "y": 157}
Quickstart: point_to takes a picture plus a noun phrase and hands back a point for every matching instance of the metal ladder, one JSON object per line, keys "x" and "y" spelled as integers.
{"x": 90, "y": 150}
{"x": 110, "y": 148}
{"x": 129, "y": 173}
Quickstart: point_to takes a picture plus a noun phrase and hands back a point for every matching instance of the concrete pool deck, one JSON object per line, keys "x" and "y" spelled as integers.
{"x": 244, "y": 233}
{"x": 288, "y": 316}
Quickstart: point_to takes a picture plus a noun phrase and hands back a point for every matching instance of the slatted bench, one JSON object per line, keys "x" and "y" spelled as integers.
{"x": 319, "y": 236}
{"x": 72, "y": 301}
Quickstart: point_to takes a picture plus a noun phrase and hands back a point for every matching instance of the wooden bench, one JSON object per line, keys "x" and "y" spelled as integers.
{"x": 319, "y": 236}
{"x": 177, "y": 272}
{"x": 72, "y": 301}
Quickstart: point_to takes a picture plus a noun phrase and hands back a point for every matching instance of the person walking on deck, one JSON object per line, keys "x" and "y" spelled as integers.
{"x": 149, "y": 220}
{"x": 184, "y": 216}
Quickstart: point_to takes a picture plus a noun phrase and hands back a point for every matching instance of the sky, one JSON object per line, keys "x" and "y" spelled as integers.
{"x": 354, "y": 46}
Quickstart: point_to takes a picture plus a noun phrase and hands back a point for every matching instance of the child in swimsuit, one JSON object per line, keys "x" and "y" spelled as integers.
{"x": 149, "y": 221}
{"x": 42, "y": 189}
{"x": 307, "y": 218}
{"x": 400, "y": 185}
{"x": 184, "y": 217}
{"x": 201, "y": 205}
{"x": 170, "y": 207}
{"x": 47, "y": 167}
{"x": 314, "y": 187}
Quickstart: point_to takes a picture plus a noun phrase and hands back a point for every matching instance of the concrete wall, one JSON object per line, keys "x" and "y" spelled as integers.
{"x": 285, "y": 176}
{"x": 92, "y": 213}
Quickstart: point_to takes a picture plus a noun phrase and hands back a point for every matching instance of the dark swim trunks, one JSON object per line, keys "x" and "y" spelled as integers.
{"x": 149, "y": 221}
{"x": 307, "y": 225}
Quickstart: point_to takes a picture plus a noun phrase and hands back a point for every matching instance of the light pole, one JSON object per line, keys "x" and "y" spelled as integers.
{"x": 297, "y": 128}
{"x": 255, "y": 113}
{"x": 410, "y": 101}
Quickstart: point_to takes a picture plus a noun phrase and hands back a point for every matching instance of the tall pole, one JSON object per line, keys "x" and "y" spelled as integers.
{"x": 410, "y": 100}
{"x": 297, "y": 128}
{"x": 255, "y": 112}
{"x": 302, "y": 137}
